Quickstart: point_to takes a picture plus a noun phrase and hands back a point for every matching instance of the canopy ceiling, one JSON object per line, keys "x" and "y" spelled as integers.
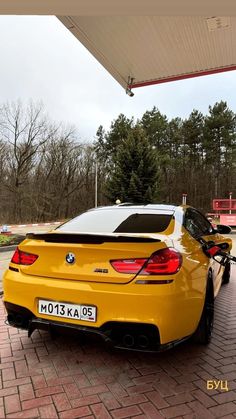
{"x": 145, "y": 42}
{"x": 142, "y": 50}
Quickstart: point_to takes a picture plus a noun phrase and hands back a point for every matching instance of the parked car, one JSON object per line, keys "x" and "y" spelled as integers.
{"x": 137, "y": 275}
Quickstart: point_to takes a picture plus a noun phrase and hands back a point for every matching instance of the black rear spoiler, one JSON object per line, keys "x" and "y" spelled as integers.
{"x": 89, "y": 238}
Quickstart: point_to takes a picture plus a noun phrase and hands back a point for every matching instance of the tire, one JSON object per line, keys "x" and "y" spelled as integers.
{"x": 205, "y": 326}
{"x": 226, "y": 274}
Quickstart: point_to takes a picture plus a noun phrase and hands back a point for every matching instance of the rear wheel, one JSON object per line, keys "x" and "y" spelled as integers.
{"x": 204, "y": 330}
{"x": 226, "y": 274}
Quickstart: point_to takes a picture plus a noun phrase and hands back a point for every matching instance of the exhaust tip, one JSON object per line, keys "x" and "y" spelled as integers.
{"x": 143, "y": 341}
{"x": 128, "y": 341}
{"x": 133, "y": 336}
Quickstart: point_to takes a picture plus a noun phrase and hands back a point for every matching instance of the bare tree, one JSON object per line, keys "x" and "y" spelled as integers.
{"x": 59, "y": 170}
{"x": 26, "y": 130}
{"x": 4, "y": 158}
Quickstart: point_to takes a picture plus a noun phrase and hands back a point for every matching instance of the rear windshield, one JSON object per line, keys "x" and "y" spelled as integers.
{"x": 119, "y": 221}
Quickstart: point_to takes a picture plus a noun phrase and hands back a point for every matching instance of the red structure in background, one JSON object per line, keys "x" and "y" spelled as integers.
{"x": 226, "y": 210}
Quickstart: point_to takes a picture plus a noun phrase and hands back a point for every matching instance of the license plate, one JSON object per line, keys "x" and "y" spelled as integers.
{"x": 68, "y": 311}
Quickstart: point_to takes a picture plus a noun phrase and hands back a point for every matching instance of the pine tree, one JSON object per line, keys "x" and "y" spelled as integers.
{"x": 156, "y": 128}
{"x": 220, "y": 148}
{"x": 135, "y": 173}
{"x": 107, "y": 143}
{"x": 192, "y": 158}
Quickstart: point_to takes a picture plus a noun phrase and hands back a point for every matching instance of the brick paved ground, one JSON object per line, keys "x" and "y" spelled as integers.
{"x": 70, "y": 378}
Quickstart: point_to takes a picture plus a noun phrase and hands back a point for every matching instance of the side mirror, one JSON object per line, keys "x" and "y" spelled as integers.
{"x": 223, "y": 229}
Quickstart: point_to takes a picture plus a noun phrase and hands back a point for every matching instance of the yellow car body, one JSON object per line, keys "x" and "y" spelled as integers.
{"x": 131, "y": 310}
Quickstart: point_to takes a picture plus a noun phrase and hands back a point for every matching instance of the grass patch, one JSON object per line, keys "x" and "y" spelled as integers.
{"x": 11, "y": 239}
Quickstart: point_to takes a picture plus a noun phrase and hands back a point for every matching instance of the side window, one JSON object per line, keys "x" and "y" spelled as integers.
{"x": 203, "y": 223}
{"x": 196, "y": 224}
{"x": 190, "y": 225}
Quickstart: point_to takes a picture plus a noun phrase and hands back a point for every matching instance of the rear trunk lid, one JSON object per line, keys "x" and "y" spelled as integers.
{"x": 92, "y": 254}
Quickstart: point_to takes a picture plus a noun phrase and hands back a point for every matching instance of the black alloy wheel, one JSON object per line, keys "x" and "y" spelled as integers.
{"x": 205, "y": 326}
{"x": 226, "y": 274}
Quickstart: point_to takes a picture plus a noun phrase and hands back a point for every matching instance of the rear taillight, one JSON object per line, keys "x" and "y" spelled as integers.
{"x": 23, "y": 258}
{"x": 128, "y": 266}
{"x": 163, "y": 262}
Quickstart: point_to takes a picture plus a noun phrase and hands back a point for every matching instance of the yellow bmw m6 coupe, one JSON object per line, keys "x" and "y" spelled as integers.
{"x": 137, "y": 275}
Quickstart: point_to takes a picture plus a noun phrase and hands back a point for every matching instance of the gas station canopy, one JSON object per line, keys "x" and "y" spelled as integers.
{"x": 143, "y": 50}
{"x": 147, "y": 42}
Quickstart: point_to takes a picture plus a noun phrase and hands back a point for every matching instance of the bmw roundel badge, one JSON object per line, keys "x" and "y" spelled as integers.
{"x": 70, "y": 258}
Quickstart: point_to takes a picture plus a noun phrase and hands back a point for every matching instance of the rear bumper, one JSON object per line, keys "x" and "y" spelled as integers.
{"x": 120, "y": 335}
{"x": 172, "y": 310}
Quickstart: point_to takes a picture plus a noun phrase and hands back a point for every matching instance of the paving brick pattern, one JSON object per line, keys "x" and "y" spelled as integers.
{"x": 70, "y": 377}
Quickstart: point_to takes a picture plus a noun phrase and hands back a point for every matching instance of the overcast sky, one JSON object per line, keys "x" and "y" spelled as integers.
{"x": 42, "y": 60}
